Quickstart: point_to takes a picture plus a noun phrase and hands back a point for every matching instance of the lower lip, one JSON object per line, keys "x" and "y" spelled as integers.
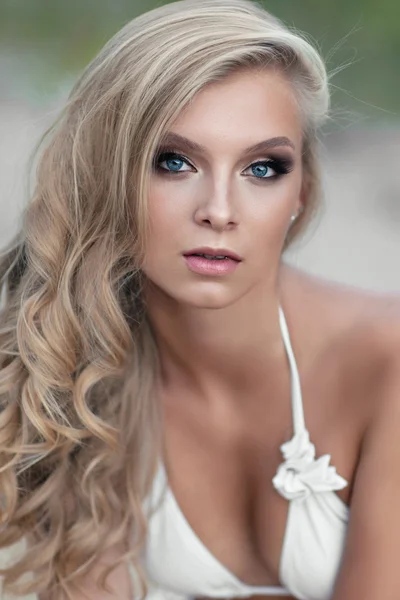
{"x": 207, "y": 266}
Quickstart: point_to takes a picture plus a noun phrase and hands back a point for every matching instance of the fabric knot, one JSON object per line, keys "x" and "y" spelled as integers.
{"x": 301, "y": 474}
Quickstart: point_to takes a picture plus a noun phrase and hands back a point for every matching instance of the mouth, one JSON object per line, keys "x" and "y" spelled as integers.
{"x": 213, "y": 254}
{"x": 212, "y": 261}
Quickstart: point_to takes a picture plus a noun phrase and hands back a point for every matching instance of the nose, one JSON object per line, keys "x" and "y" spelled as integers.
{"x": 217, "y": 208}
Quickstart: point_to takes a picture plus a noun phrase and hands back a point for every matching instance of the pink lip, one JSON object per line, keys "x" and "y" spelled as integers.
{"x": 213, "y": 252}
{"x": 206, "y": 266}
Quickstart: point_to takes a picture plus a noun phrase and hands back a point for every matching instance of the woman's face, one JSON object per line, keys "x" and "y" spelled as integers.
{"x": 210, "y": 190}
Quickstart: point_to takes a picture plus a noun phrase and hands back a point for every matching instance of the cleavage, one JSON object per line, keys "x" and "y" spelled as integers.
{"x": 227, "y": 498}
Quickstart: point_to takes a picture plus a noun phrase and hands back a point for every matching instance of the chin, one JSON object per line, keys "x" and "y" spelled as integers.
{"x": 205, "y": 296}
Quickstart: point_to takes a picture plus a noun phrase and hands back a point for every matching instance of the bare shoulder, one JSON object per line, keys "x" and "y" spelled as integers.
{"x": 353, "y": 325}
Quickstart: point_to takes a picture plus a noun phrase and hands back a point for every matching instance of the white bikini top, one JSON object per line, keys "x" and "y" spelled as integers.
{"x": 179, "y": 566}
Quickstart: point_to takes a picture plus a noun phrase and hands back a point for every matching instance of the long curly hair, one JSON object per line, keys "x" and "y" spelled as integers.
{"x": 80, "y": 425}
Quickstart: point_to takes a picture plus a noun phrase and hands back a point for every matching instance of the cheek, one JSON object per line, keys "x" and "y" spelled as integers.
{"x": 166, "y": 208}
{"x": 268, "y": 218}
{"x": 273, "y": 204}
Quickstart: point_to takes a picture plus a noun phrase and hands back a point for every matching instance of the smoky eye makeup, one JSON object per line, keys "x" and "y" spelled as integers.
{"x": 281, "y": 164}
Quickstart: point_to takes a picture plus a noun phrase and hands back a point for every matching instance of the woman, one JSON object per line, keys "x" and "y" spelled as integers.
{"x": 150, "y": 326}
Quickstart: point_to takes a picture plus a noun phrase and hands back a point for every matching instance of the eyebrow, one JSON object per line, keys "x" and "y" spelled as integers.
{"x": 190, "y": 146}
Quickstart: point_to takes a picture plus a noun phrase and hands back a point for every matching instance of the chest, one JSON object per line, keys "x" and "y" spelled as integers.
{"x": 220, "y": 472}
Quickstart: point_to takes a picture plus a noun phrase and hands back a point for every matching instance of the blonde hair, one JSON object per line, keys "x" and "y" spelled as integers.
{"x": 80, "y": 426}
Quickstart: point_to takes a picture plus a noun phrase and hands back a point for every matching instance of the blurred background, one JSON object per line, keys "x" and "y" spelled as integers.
{"x": 44, "y": 44}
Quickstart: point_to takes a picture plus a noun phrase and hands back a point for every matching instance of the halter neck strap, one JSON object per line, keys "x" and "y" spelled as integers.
{"x": 296, "y": 397}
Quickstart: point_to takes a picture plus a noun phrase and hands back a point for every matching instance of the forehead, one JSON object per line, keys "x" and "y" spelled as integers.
{"x": 243, "y": 108}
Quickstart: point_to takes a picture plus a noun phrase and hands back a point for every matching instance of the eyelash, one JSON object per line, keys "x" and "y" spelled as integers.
{"x": 281, "y": 166}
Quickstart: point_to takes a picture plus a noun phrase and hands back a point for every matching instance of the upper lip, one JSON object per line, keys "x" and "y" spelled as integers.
{"x": 214, "y": 252}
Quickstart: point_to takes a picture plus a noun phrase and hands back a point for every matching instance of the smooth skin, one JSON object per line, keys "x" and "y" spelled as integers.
{"x": 225, "y": 387}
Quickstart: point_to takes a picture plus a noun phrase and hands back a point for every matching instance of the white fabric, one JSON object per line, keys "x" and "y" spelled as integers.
{"x": 180, "y": 567}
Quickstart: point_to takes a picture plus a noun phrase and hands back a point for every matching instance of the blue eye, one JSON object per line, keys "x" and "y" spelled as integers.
{"x": 263, "y": 170}
{"x": 173, "y": 161}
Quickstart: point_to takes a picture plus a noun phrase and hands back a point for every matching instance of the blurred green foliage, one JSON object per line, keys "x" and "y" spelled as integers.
{"x": 63, "y": 36}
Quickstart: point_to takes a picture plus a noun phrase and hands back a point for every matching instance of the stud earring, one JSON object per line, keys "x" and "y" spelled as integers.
{"x": 294, "y": 217}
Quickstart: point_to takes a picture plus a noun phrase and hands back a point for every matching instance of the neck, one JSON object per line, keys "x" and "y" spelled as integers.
{"x": 233, "y": 350}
